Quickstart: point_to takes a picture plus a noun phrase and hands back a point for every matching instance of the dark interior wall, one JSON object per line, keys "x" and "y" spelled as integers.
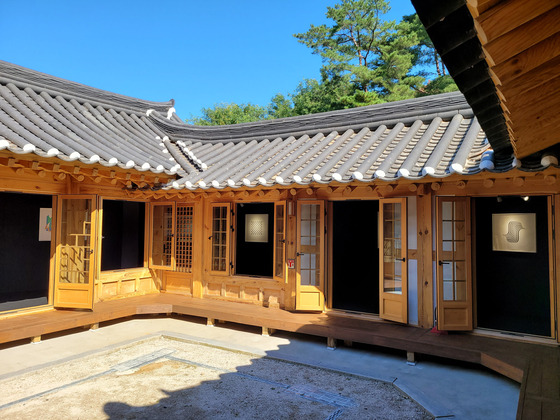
{"x": 254, "y": 258}
{"x": 512, "y": 288}
{"x": 356, "y": 256}
{"x": 123, "y": 235}
{"x": 24, "y": 260}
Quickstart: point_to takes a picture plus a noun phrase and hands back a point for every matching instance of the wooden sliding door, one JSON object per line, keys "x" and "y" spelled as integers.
{"x": 75, "y": 267}
{"x": 310, "y": 283}
{"x": 393, "y": 283}
{"x": 454, "y": 284}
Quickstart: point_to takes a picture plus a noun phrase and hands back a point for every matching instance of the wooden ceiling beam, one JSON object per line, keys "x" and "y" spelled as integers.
{"x": 541, "y": 97}
{"x": 536, "y": 140}
{"x": 514, "y": 42}
{"x": 532, "y": 79}
{"x": 508, "y": 15}
{"x": 530, "y": 59}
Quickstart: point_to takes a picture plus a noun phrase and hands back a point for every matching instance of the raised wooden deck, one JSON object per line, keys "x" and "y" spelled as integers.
{"x": 535, "y": 366}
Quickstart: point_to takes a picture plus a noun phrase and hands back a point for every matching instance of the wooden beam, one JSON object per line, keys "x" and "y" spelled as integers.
{"x": 529, "y": 59}
{"x": 516, "y": 41}
{"x": 488, "y": 183}
{"x": 518, "y": 181}
{"x": 424, "y": 262}
{"x": 509, "y": 15}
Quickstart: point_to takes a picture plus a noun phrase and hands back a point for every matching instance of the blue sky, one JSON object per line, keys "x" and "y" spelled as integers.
{"x": 199, "y": 53}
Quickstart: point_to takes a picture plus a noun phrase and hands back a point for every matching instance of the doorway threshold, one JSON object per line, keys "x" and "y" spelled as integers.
{"x": 353, "y": 314}
{"x": 515, "y": 336}
{"x": 26, "y": 311}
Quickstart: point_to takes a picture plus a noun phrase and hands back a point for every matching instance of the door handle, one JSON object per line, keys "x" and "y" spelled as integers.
{"x": 443, "y": 262}
{"x": 299, "y": 254}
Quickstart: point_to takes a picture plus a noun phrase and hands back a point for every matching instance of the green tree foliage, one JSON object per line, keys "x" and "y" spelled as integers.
{"x": 366, "y": 60}
{"x": 226, "y": 114}
{"x": 375, "y": 55}
{"x": 280, "y": 107}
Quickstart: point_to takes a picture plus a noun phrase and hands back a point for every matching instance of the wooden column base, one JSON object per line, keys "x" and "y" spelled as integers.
{"x": 268, "y": 331}
{"x": 36, "y": 339}
{"x": 410, "y": 358}
{"x": 331, "y": 343}
{"x": 211, "y": 322}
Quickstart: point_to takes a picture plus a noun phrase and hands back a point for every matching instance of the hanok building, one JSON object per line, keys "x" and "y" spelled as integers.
{"x": 398, "y": 211}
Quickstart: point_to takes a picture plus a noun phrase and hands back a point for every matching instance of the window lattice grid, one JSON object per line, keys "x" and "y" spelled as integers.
{"x": 454, "y": 251}
{"x": 219, "y": 238}
{"x": 184, "y": 239}
{"x": 162, "y": 235}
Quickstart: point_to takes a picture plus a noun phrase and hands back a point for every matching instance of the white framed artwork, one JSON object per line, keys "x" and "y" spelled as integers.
{"x": 45, "y": 224}
{"x": 256, "y": 228}
{"x": 514, "y": 232}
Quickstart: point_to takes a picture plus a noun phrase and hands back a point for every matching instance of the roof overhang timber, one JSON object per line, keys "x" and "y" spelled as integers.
{"x": 505, "y": 58}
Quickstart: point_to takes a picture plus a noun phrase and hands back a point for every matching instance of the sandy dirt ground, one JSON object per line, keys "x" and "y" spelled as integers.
{"x": 164, "y": 378}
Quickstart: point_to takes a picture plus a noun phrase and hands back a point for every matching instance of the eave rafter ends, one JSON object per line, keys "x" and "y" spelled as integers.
{"x": 504, "y": 56}
{"x": 434, "y": 136}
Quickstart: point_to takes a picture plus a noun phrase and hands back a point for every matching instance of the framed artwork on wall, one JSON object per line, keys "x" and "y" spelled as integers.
{"x": 514, "y": 232}
{"x": 45, "y": 224}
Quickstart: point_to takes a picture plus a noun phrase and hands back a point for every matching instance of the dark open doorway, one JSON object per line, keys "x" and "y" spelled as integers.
{"x": 24, "y": 259}
{"x": 123, "y": 235}
{"x": 355, "y": 254}
{"x": 512, "y": 288}
{"x": 255, "y": 238}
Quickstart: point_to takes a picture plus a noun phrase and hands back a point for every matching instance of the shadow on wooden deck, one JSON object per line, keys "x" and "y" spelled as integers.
{"x": 535, "y": 366}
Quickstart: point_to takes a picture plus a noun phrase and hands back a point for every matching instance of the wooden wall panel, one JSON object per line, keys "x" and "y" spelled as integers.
{"x": 425, "y": 264}
{"x": 125, "y": 283}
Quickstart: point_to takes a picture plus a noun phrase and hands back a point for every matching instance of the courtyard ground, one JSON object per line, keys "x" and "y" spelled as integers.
{"x": 180, "y": 368}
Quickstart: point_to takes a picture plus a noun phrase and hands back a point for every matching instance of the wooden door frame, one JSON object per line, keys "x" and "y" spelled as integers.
{"x": 151, "y": 264}
{"x": 229, "y": 238}
{"x": 299, "y": 289}
{"x": 553, "y": 235}
{"x": 403, "y": 317}
{"x": 94, "y": 265}
{"x": 456, "y": 306}
{"x": 283, "y": 277}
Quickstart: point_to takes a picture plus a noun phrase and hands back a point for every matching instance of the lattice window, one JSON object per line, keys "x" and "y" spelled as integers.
{"x": 184, "y": 244}
{"x": 453, "y": 251}
{"x": 162, "y": 235}
{"x": 220, "y": 238}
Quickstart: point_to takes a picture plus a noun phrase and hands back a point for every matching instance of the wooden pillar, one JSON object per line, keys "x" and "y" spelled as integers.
{"x": 198, "y": 247}
{"x": 425, "y": 263}
{"x": 291, "y": 238}
{"x": 331, "y": 343}
{"x": 556, "y": 265}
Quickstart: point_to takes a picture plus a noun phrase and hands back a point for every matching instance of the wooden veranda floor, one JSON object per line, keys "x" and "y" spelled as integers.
{"x": 535, "y": 366}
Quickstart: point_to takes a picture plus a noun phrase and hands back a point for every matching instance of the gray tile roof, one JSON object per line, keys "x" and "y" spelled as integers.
{"x": 52, "y": 117}
{"x": 430, "y": 136}
{"x": 433, "y": 136}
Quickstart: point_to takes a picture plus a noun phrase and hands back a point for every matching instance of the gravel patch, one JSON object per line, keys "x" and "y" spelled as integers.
{"x": 168, "y": 378}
